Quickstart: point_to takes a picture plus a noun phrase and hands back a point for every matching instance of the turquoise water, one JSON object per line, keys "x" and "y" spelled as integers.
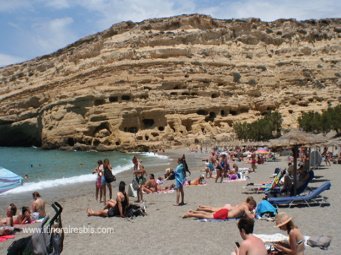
{"x": 51, "y": 168}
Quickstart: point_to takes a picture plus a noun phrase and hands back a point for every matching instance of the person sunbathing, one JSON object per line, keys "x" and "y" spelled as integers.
{"x": 114, "y": 207}
{"x": 151, "y": 185}
{"x": 226, "y": 212}
{"x": 169, "y": 174}
{"x": 197, "y": 181}
{"x": 11, "y": 211}
{"x": 24, "y": 217}
{"x": 211, "y": 209}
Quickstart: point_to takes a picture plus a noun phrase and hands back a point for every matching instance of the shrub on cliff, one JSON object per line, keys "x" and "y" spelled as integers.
{"x": 329, "y": 119}
{"x": 260, "y": 130}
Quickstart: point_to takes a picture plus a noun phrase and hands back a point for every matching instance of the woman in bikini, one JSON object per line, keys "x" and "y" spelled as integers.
{"x": 296, "y": 239}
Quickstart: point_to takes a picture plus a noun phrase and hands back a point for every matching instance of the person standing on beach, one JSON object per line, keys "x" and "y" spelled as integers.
{"x": 179, "y": 182}
{"x": 139, "y": 173}
{"x": 107, "y": 166}
{"x": 253, "y": 162}
{"x": 251, "y": 245}
{"x": 99, "y": 171}
{"x": 212, "y": 162}
{"x": 38, "y": 206}
{"x": 186, "y": 169}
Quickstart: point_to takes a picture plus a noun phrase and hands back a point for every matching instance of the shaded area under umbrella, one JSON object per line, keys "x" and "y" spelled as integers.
{"x": 294, "y": 139}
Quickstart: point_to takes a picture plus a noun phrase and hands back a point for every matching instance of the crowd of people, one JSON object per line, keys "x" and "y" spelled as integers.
{"x": 219, "y": 165}
{"x": 27, "y": 214}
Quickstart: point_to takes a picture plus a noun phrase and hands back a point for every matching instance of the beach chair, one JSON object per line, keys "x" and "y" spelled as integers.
{"x": 277, "y": 190}
{"x": 265, "y": 187}
{"x": 311, "y": 198}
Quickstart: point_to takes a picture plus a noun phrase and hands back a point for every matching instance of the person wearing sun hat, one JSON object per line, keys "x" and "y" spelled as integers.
{"x": 296, "y": 238}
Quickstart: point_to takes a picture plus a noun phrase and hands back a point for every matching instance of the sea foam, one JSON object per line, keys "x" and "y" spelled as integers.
{"x": 45, "y": 184}
{"x": 155, "y": 155}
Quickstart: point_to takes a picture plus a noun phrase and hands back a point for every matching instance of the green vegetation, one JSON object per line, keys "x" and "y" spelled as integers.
{"x": 263, "y": 129}
{"x": 326, "y": 121}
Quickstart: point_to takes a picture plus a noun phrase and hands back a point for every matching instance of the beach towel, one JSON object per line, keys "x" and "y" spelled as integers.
{"x": 179, "y": 176}
{"x": 236, "y": 180}
{"x": 278, "y": 237}
{"x": 166, "y": 191}
{"x": 6, "y": 237}
{"x": 216, "y": 220}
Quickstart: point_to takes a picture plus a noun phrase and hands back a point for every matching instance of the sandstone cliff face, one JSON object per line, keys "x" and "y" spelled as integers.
{"x": 170, "y": 81}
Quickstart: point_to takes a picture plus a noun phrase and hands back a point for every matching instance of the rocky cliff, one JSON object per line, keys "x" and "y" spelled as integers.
{"x": 170, "y": 81}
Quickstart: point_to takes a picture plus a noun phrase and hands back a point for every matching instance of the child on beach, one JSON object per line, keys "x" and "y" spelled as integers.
{"x": 139, "y": 173}
{"x": 99, "y": 171}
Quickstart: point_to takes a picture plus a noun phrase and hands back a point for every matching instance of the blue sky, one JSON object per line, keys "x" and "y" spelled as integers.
{"x": 31, "y": 28}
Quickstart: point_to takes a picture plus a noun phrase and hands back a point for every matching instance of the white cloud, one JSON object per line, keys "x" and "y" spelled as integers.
{"x": 6, "y": 59}
{"x": 109, "y": 12}
{"x": 36, "y": 34}
{"x": 270, "y": 10}
{"x": 53, "y": 34}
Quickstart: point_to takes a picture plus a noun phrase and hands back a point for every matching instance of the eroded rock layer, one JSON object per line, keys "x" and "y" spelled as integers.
{"x": 170, "y": 81}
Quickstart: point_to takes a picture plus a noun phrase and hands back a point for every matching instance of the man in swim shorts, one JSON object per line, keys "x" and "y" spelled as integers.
{"x": 243, "y": 209}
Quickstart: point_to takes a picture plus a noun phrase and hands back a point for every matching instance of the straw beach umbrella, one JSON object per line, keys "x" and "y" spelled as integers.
{"x": 294, "y": 139}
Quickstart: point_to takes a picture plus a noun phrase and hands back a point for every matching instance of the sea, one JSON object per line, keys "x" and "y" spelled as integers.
{"x": 52, "y": 168}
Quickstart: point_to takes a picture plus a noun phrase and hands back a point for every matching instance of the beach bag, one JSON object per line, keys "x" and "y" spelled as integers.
{"x": 133, "y": 211}
{"x": 320, "y": 241}
{"x": 135, "y": 184}
{"x": 264, "y": 207}
{"x": 108, "y": 176}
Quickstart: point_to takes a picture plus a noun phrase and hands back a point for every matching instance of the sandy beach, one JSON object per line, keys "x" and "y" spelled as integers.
{"x": 163, "y": 231}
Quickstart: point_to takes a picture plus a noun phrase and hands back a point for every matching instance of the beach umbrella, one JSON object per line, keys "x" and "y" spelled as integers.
{"x": 9, "y": 180}
{"x": 262, "y": 151}
{"x": 294, "y": 139}
{"x": 297, "y": 137}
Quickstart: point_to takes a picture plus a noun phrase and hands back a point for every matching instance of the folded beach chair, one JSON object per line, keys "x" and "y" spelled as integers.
{"x": 312, "y": 197}
{"x": 265, "y": 187}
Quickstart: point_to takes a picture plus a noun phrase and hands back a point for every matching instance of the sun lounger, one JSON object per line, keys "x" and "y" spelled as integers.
{"x": 277, "y": 190}
{"x": 264, "y": 187}
{"x": 312, "y": 198}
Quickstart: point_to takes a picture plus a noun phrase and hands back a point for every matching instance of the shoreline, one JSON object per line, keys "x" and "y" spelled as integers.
{"x": 163, "y": 231}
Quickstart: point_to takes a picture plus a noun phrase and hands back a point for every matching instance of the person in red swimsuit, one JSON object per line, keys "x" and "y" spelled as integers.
{"x": 237, "y": 211}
